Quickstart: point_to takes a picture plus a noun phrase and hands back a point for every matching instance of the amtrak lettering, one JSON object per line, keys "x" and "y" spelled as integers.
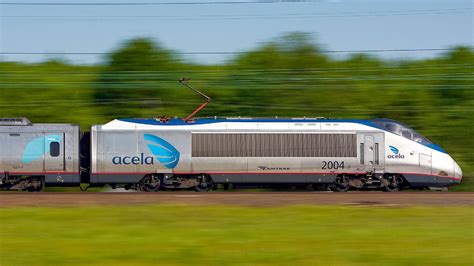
{"x": 273, "y": 168}
{"x": 126, "y": 160}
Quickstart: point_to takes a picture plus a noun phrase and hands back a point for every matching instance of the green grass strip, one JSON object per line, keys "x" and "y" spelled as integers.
{"x": 228, "y": 235}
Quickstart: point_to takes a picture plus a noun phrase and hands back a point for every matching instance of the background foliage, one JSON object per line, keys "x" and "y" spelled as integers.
{"x": 289, "y": 76}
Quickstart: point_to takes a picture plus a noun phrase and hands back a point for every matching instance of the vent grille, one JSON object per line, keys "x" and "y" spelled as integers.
{"x": 273, "y": 145}
{"x": 15, "y": 122}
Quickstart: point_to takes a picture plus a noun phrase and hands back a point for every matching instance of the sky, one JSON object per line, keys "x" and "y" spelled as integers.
{"x": 335, "y": 24}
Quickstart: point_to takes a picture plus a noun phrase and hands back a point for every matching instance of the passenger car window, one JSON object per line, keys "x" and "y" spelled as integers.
{"x": 54, "y": 149}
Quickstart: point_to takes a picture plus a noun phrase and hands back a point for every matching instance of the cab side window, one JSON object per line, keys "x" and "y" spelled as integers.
{"x": 54, "y": 149}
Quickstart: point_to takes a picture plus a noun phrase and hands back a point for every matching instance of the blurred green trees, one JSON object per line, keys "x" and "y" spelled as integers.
{"x": 128, "y": 74}
{"x": 287, "y": 76}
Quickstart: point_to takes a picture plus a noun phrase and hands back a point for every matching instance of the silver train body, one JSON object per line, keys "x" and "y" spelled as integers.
{"x": 374, "y": 153}
{"x": 34, "y": 154}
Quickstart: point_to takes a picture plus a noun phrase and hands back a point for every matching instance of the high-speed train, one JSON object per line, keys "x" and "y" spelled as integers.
{"x": 153, "y": 154}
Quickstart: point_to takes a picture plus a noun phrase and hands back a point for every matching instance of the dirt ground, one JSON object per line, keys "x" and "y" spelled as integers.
{"x": 237, "y": 198}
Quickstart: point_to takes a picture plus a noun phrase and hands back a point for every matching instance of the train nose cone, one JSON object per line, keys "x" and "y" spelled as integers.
{"x": 457, "y": 171}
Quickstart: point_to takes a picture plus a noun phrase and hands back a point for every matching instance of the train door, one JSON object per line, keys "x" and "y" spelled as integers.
{"x": 426, "y": 163}
{"x": 371, "y": 152}
{"x": 54, "y": 152}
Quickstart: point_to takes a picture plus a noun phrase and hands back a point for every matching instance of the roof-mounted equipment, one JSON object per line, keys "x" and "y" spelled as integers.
{"x": 20, "y": 121}
{"x": 184, "y": 81}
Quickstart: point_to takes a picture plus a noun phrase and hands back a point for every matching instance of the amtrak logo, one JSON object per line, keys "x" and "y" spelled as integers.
{"x": 164, "y": 152}
{"x": 396, "y": 153}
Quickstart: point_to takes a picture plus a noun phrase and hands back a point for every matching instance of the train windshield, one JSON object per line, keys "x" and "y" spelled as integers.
{"x": 401, "y": 130}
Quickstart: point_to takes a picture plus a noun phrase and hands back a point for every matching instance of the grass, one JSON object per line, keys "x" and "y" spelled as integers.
{"x": 467, "y": 183}
{"x": 226, "y": 235}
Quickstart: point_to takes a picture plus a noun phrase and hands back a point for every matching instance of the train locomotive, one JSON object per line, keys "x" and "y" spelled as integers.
{"x": 153, "y": 154}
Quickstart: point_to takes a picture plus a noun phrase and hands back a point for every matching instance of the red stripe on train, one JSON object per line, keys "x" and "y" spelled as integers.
{"x": 42, "y": 173}
{"x": 268, "y": 173}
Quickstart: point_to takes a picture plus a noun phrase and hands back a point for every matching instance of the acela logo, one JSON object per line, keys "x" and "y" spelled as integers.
{"x": 164, "y": 152}
{"x": 393, "y": 149}
{"x": 126, "y": 160}
{"x": 396, "y": 153}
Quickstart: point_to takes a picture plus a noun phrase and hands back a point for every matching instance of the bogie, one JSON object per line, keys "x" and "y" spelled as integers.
{"x": 156, "y": 182}
{"x": 24, "y": 183}
{"x": 150, "y": 183}
{"x": 387, "y": 182}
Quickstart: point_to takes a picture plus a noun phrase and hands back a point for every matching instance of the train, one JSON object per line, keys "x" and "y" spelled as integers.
{"x": 200, "y": 154}
{"x": 203, "y": 153}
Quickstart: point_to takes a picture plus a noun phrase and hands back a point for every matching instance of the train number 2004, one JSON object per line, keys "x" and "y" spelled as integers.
{"x": 333, "y": 165}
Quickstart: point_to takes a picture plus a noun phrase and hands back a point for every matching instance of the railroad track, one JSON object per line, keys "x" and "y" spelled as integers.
{"x": 12, "y": 199}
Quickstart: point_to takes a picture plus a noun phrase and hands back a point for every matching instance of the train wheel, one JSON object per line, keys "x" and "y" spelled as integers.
{"x": 205, "y": 184}
{"x": 341, "y": 184}
{"x": 150, "y": 183}
{"x": 391, "y": 183}
{"x": 34, "y": 184}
